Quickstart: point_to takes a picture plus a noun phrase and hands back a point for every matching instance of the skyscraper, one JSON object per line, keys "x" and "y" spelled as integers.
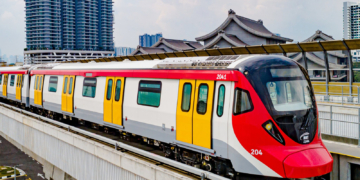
{"x": 69, "y": 25}
{"x": 123, "y": 51}
{"x": 351, "y": 23}
{"x": 147, "y": 40}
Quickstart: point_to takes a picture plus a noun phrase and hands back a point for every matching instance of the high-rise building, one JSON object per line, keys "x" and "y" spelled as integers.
{"x": 123, "y": 51}
{"x": 351, "y": 23}
{"x": 147, "y": 40}
{"x": 80, "y": 25}
{"x": 69, "y": 24}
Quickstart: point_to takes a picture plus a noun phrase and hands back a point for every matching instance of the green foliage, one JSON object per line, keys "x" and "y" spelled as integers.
{"x": 356, "y": 73}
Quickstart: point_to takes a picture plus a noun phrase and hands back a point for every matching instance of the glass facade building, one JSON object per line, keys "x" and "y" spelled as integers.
{"x": 147, "y": 40}
{"x": 351, "y": 20}
{"x": 69, "y": 25}
{"x": 123, "y": 51}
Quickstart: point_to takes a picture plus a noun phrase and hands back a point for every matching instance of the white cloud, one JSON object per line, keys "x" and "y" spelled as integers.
{"x": 6, "y": 15}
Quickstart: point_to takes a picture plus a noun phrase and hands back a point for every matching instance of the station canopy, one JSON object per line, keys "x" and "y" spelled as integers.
{"x": 349, "y": 44}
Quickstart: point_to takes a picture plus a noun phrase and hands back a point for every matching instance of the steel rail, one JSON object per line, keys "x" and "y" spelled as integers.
{"x": 193, "y": 170}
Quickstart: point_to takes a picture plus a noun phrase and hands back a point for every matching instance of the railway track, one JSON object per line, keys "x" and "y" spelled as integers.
{"x": 154, "y": 150}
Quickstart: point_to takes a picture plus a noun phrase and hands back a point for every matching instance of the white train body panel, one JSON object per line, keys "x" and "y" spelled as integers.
{"x": 88, "y": 108}
{"x": 52, "y": 100}
{"x": 148, "y": 121}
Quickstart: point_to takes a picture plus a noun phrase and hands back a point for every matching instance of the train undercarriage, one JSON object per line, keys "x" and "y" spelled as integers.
{"x": 206, "y": 162}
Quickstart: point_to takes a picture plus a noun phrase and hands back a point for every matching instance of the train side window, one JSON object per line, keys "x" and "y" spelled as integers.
{"x": 186, "y": 97}
{"x": 109, "y": 89}
{"x": 70, "y": 85}
{"x": 221, "y": 99}
{"x": 1, "y": 79}
{"x": 202, "y": 99}
{"x": 242, "y": 102}
{"x": 89, "y": 87}
{"x": 53, "y": 81}
{"x": 149, "y": 93}
{"x": 117, "y": 90}
{"x": 65, "y": 85}
{"x": 12, "y": 80}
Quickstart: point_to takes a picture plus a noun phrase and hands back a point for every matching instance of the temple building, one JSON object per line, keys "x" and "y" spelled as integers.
{"x": 167, "y": 45}
{"x": 240, "y": 31}
{"x": 316, "y": 60}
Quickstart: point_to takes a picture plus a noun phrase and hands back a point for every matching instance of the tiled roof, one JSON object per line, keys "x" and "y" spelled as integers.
{"x": 178, "y": 45}
{"x": 255, "y": 27}
{"x": 147, "y": 50}
{"x": 231, "y": 39}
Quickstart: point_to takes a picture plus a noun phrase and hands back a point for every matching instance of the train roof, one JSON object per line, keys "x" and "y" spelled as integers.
{"x": 212, "y": 62}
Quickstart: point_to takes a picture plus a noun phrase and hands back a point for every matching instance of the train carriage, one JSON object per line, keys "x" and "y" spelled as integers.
{"x": 227, "y": 114}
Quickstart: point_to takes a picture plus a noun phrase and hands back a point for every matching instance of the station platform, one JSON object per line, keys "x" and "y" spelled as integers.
{"x": 342, "y": 149}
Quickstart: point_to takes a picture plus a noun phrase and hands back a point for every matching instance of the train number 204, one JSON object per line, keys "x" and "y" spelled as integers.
{"x": 221, "y": 76}
{"x": 256, "y": 152}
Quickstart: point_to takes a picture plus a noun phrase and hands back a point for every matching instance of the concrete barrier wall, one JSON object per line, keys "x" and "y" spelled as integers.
{"x": 79, "y": 157}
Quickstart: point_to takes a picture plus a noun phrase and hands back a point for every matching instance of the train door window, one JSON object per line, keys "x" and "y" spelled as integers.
{"x": 202, "y": 99}
{"x": 65, "y": 85}
{"x": 17, "y": 81}
{"x": 221, "y": 98}
{"x": 149, "y": 93}
{"x": 242, "y": 102}
{"x": 37, "y": 82}
{"x": 109, "y": 89}
{"x": 89, "y": 87}
{"x": 117, "y": 90}
{"x": 355, "y": 171}
{"x": 12, "y": 80}
{"x": 40, "y": 83}
{"x": 288, "y": 92}
{"x": 273, "y": 92}
{"x": 70, "y": 85}
{"x": 186, "y": 98}
{"x": 53, "y": 81}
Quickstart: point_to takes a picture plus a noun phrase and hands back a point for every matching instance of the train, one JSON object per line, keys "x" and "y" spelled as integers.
{"x": 231, "y": 115}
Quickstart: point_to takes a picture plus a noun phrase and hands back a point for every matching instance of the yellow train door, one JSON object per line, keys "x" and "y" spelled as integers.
{"x": 39, "y": 85}
{"x": 70, "y": 95}
{"x": 5, "y": 84}
{"x": 64, "y": 93}
{"x": 184, "y": 112}
{"x": 108, "y": 99}
{"x": 118, "y": 101}
{"x": 113, "y": 98}
{"x": 18, "y": 86}
{"x": 204, "y": 95}
{"x": 36, "y": 86}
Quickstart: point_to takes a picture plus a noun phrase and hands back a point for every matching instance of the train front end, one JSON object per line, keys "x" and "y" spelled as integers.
{"x": 275, "y": 120}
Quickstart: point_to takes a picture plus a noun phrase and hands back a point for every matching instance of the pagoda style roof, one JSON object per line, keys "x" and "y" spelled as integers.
{"x": 319, "y": 35}
{"x": 231, "y": 39}
{"x": 168, "y": 45}
{"x": 317, "y": 60}
{"x": 147, "y": 50}
{"x": 178, "y": 45}
{"x": 254, "y": 27}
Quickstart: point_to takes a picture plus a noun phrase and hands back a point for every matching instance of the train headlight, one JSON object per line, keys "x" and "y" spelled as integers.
{"x": 273, "y": 131}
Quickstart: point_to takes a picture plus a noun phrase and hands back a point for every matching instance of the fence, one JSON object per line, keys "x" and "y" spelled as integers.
{"x": 341, "y": 121}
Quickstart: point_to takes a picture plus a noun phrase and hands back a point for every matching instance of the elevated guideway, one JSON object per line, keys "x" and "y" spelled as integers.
{"x": 66, "y": 150}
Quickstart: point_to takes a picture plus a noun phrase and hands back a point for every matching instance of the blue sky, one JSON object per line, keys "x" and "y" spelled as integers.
{"x": 187, "y": 19}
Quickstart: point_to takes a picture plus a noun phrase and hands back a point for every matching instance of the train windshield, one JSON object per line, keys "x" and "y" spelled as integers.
{"x": 287, "y": 94}
{"x": 289, "y": 90}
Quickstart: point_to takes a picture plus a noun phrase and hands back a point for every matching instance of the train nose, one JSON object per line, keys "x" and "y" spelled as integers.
{"x": 308, "y": 163}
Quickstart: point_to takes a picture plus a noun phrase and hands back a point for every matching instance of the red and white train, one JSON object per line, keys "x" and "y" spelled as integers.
{"x": 226, "y": 114}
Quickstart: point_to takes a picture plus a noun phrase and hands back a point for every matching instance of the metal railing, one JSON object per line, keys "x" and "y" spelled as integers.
{"x": 340, "y": 121}
{"x": 117, "y": 144}
{"x": 343, "y": 94}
